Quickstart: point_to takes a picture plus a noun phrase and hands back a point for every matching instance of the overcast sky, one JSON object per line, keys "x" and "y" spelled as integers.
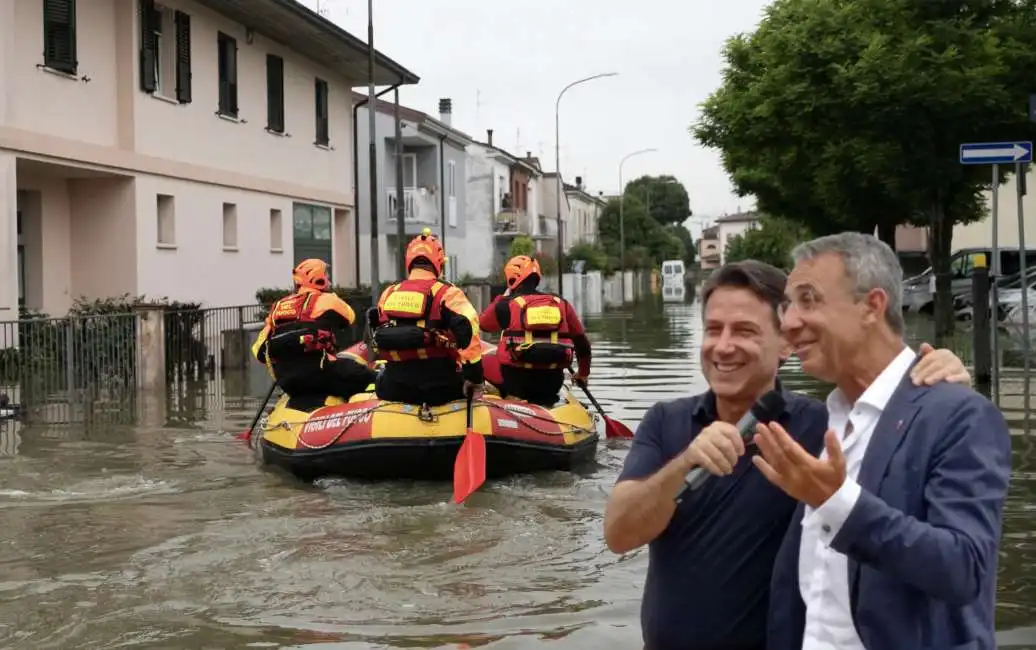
{"x": 504, "y": 63}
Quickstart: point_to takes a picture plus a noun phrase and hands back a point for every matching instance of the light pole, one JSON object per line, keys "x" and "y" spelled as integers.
{"x": 557, "y": 168}
{"x": 372, "y": 111}
{"x": 622, "y": 221}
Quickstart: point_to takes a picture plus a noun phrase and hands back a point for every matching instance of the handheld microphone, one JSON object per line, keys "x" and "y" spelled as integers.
{"x": 767, "y": 409}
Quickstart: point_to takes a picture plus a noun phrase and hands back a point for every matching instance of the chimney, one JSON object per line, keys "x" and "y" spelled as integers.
{"x": 446, "y": 111}
{"x": 489, "y": 137}
{"x": 579, "y": 182}
{"x": 528, "y": 154}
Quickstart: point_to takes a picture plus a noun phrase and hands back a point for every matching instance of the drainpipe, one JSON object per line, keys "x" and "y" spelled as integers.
{"x": 442, "y": 191}
{"x": 400, "y": 203}
{"x": 356, "y": 180}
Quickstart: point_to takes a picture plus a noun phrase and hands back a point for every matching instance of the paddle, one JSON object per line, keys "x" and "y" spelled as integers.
{"x": 247, "y": 433}
{"x": 469, "y": 470}
{"x": 612, "y": 428}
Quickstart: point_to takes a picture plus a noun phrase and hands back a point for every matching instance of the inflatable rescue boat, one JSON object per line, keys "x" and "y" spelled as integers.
{"x": 313, "y": 437}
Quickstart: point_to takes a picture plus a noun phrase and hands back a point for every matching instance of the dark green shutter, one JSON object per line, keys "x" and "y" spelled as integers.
{"x": 274, "y": 93}
{"x": 59, "y": 35}
{"x": 146, "y": 16}
{"x": 183, "y": 57}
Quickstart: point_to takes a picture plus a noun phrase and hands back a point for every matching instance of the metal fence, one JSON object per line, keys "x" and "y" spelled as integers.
{"x": 201, "y": 342}
{"x": 49, "y": 362}
{"x": 56, "y": 367}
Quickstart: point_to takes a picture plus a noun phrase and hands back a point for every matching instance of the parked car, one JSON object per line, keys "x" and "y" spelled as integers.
{"x": 917, "y": 290}
{"x": 1008, "y": 293}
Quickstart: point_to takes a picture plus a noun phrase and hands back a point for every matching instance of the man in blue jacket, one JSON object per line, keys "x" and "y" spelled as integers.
{"x": 894, "y": 543}
{"x": 711, "y": 556}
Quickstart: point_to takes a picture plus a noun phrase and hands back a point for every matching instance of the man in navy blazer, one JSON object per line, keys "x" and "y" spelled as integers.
{"x": 894, "y": 542}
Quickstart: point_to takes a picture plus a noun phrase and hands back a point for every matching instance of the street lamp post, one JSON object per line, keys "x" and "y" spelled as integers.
{"x": 372, "y": 111}
{"x": 557, "y": 168}
{"x": 622, "y": 221}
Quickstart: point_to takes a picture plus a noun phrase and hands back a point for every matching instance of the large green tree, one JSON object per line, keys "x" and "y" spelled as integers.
{"x": 665, "y": 197}
{"x": 647, "y": 241}
{"x": 848, "y": 114}
{"x": 770, "y": 242}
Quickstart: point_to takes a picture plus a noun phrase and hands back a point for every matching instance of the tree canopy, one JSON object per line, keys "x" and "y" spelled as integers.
{"x": 665, "y": 197}
{"x": 848, "y": 115}
{"x": 770, "y": 242}
{"x": 647, "y": 241}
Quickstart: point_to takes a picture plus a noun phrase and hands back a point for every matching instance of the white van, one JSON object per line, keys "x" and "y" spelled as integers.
{"x": 672, "y": 272}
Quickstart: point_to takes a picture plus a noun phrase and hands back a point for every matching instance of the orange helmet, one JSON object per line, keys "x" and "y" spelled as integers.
{"x": 426, "y": 246}
{"x": 520, "y": 267}
{"x": 311, "y": 274}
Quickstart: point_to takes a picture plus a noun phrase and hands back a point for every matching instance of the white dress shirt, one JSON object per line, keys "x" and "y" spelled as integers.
{"x": 824, "y": 572}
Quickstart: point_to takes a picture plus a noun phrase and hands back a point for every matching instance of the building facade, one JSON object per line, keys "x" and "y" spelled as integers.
{"x": 504, "y": 193}
{"x": 164, "y": 148}
{"x": 434, "y": 189}
{"x": 584, "y": 212}
{"x": 709, "y": 252}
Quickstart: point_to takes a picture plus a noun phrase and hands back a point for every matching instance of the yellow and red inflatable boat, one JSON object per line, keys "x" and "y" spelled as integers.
{"x": 369, "y": 438}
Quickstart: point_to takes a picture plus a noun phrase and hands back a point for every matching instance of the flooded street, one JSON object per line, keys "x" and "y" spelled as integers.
{"x": 173, "y": 537}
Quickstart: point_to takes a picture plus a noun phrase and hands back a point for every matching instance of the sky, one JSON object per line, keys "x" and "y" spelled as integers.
{"x": 503, "y": 64}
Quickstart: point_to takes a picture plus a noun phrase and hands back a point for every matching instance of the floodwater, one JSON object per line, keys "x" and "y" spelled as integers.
{"x": 132, "y": 536}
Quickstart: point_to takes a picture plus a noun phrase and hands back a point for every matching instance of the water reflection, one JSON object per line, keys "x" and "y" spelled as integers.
{"x": 169, "y": 535}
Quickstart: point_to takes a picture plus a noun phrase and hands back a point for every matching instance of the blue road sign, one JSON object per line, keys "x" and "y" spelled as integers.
{"x": 992, "y": 153}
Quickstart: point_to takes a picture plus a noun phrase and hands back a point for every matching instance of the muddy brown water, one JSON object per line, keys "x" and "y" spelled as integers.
{"x": 132, "y": 536}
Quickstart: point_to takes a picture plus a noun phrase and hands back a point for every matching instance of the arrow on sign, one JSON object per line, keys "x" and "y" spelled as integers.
{"x": 1014, "y": 152}
{"x": 991, "y": 153}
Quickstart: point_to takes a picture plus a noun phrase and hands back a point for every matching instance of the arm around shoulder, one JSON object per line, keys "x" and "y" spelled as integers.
{"x": 951, "y": 554}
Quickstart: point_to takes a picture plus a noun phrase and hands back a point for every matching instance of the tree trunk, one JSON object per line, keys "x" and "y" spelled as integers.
{"x": 887, "y": 233}
{"x": 939, "y": 246}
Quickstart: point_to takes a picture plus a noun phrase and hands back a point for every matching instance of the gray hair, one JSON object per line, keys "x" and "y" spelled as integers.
{"x": 869, "y": 263}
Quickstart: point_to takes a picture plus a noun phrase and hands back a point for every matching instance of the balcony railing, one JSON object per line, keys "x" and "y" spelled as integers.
{"x": 512, "y": 221}
{"x": 419, "y": 206}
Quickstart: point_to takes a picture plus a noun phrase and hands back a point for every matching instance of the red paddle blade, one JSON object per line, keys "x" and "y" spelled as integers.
{"x": 244, "y": 435}
{"x": 616, "y": 429}
{"x": 469, "y": 470}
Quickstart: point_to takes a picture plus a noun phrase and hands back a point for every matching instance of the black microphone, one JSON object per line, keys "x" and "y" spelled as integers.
{"x": 767, "y": 409}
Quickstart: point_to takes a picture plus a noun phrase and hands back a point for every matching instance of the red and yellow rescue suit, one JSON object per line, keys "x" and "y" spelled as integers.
{"x": 425, "y": 327}
{"x": 540, "y": 335}
{"x": 299, "y": 343}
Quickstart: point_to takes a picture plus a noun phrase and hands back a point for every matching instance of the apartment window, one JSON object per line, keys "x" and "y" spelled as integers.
{"x": 229, "y": 227}
{"x": 276, "y": 232}
{"x": 409, "y": 170}
{"x": 165, "y": 51}
{"x": 323, "y": 125}
{"x": 227, "y": 62}
{"x": 166, "y": 221}
{"x": 311, "y": 232}
{"x": 59, "y": 35}
{"x": 274, "y": 93}
{"x": 451, "y": 178}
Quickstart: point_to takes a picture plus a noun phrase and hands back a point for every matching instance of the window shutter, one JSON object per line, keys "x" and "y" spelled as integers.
{"x": 323, "y": 132}
{"x": 146, "y": 15}
{"x": 59, "y": 35}
{"x": 183, "y": 57}
{"x": 275, "y": 93}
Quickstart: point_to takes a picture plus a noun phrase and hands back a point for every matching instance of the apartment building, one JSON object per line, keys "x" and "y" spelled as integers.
{"x": 504, "y": 193}
{"x": 192, "y": 149}
{"x": 584, "y": 212}
{"x": 434, "y": 158}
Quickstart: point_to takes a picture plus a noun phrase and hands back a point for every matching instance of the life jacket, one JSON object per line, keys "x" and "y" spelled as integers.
{"x": 293, "y": 328}
{"x": 538, "y": 336}
{"x": 413, "y": 323}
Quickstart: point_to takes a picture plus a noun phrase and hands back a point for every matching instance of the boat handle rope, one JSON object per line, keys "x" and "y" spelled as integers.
{"x": 354, "y": 418}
